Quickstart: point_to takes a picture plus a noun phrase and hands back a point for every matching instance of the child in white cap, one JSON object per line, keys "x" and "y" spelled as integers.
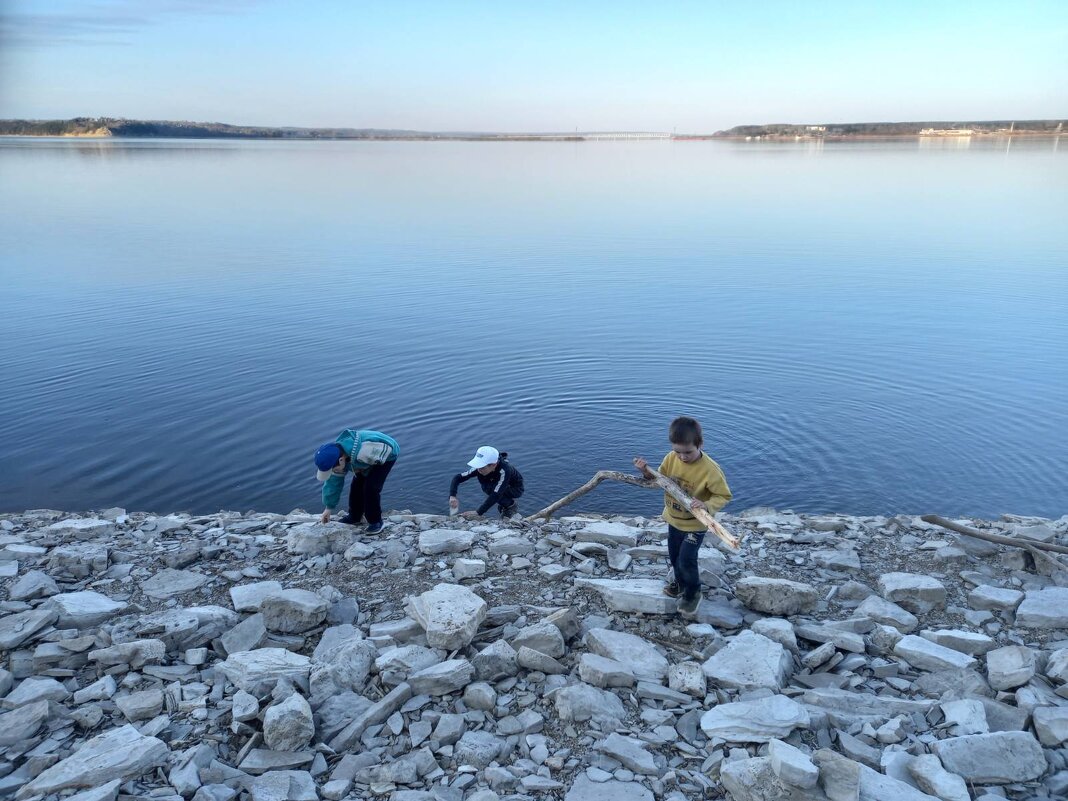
{"x": 501, "y": 482}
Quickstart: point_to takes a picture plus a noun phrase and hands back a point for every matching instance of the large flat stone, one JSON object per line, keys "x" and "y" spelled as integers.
{"x": 632, "y": 595}
{"x": 585, "y": 789}
{"x": 774, "y": 596}
{"x": 749, "y": 661}
{"x": 20, "y": 627}
{"x": 80, "y": 610}
{"x": 257, "y": 672}
{"x": 169, "y": 583}
{"x": 250, "y": 597}
{"x": 610, "y": 534}
{"x": 293, "y": 611}
{"x": 445, "y": 540}
{"x": 1010, "y": 667}
{"x": 915, "y": 592}
{"x": 995, "y": 758}
{"x": 121, "y": 753}
{"x": 449, "y": 613}
{"x": 640, "y": 656}
{"x": 1044, "y": 609}
{"x": 926, "y": 655}
{"x": 756, "y": 721}
{"x": 318, "y": 539}
{"x": 888, "y": 613}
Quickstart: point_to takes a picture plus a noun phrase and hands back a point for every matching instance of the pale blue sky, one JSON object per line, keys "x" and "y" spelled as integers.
{"x": 533, "y": 66}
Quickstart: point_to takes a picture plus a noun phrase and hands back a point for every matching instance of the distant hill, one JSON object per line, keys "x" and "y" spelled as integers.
{"x": 938, "y": 128}
{"x": 110, "y": 126}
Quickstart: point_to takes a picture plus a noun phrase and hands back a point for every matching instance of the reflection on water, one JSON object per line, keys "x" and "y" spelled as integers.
{"x": 871, "y": 327}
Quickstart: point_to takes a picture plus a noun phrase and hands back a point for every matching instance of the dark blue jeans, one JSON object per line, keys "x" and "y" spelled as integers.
{"x": 682, "y": 553}
{"x": 365, "y": 494}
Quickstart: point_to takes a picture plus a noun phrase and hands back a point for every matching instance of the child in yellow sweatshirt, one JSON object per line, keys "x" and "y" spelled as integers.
{"x": 700, "y": 478}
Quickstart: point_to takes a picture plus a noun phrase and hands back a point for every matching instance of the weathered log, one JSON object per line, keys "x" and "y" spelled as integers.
{"x": 659, "y": 480}
{"x": 997, "y": 538}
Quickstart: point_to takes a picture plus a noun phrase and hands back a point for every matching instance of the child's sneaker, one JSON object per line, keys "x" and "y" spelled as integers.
{"x": 672, "y": 589}
{"x": 349, "y": 520}
{"x": 511, "y": 513}
{"x": 688, "y": 606}
{"x": 374, "y": 528}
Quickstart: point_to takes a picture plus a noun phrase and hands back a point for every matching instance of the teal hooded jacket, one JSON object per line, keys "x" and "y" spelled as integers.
{"x": 351, "y": 440}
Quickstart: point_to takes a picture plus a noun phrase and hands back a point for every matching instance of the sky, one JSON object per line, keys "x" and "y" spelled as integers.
{"x": 451, "y": 65}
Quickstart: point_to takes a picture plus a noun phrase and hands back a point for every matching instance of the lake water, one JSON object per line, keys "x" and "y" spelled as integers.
{"x": 871, "y": 328}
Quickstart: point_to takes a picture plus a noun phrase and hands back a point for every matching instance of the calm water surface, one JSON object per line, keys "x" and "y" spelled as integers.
{"x": 862, "y": 327}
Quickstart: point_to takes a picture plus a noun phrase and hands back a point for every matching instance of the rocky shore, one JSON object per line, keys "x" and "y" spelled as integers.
{"x": 267, "y": 657}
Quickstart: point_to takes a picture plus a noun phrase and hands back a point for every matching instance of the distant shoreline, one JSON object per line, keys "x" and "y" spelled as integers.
{"x": 108, "y": 127}
{"x": 549, "y": 138}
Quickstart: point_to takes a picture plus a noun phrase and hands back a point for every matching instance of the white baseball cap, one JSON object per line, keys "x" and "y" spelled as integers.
{"x": 484, "y": 456}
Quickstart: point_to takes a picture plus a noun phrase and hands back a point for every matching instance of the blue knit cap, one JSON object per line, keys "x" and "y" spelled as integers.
{"x": 326, "y": 458}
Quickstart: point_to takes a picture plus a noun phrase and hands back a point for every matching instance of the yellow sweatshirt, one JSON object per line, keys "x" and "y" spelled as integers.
{"x": 702, "y": 480}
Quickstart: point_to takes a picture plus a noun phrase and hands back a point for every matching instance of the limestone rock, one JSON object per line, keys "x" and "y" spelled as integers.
{"x": 170, "y": 583}
{"x": 632, "y": 595}
{"x": 929, "y": 775}
{"x": 774, "y": 596}
{"x": 1044, "y": 609}
{"x": 445, "y": 540}
{"x": 630, "y": 752}
{"x": 18, "y": 628}
{"x": 318, "y": 539}
{"x": 1051, "y": 725}
{"x": 915, "y": 592}
{"x": 995, "y": 758}
{"x": 580, "y": 702}
{"x": 888, "y": 613}
{"x": 640, "y": 656}
{"x": 293, "y": 611}
{"x": 449, "y": 613}
{"x": 121, "y": 753}
{"x": 610, "y": 534}
{"x": 1010, "y": 667}
{"x": 994, "y": 598}
{"x": 288, "y": 726}
{"x": 749, "y": 661}
{"x": 543, "y": 637}
{"x": 792, "y": 765}
{"x": 80, "y": 560}
{"x": 80, "y": 610}
{"x": 32, "y": 584}
{"x": 249, "y": 597}
{"x": 600, "y": 671}
{"x": 442, "y": 679}
{"x": 759, "y": 721}
{"x": 584, "y": 789}
{"x": 478, "y": 748}
{"x": 257, "y": 672}
{"x": 926, "y": 655}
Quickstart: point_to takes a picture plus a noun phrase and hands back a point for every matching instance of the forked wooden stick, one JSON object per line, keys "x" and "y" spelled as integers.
{"x": 659, "y": 480}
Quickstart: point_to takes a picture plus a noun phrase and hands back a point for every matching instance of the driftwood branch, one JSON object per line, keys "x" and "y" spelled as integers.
{"x": 600, "y": 476}
{"x": 676, "y": 492}
{"x": 661, "y": 481}
{"x": 998, "y": 538}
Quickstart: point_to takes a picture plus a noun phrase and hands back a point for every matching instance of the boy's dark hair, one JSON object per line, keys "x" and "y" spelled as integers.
{"x": 685, "y": 431}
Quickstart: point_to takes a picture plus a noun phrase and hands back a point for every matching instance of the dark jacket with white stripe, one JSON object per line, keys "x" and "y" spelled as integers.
{"x": 501, "y": 486}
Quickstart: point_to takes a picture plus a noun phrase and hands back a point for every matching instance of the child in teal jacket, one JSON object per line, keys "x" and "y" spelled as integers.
{"x": 370, "y": 455}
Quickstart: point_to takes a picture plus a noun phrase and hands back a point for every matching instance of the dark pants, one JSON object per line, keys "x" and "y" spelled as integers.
{"x": 682, "y": 553}
{"x": 505, "y": 501}
{"x": 365, "y": 493}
